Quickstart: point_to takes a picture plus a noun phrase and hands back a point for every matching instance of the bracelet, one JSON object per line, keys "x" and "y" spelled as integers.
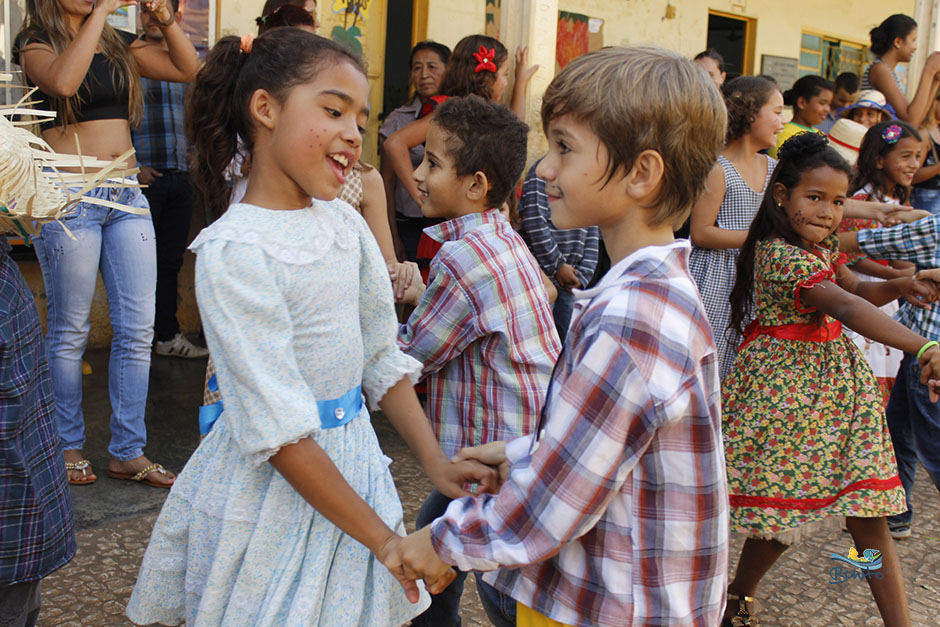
{"x": 167, "y": 23}
{"x": 926, "y": 347}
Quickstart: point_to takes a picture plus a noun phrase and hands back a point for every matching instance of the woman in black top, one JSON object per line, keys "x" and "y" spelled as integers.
{"x": 89, "y": 73}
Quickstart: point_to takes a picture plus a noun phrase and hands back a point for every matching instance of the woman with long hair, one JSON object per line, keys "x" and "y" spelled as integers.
{"x": 89, "y": 73}
{"x": 894, "y": 41}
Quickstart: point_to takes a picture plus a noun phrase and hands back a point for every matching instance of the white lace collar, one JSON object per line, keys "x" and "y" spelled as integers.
{"x": 296, "y": 237}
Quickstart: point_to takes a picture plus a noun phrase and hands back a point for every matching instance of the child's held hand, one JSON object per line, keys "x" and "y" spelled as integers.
{"x": 919, "y": 293}
{"x": 930, "y": 370}
{"x": 567, "y": 276}
{"x": 417, "y": 556}
{"x": 930, "y": 274}
{"x": 492, "y": 454}
{"x": 412, "y": 294}
{"x": 900, "y": 215}
{"x": 390, "y": 556}
{"x": 450, "y": 477}
{"x": 402, "y": 275}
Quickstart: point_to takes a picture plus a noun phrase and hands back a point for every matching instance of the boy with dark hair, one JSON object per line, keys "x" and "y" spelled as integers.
{"x": 483, "y": 326}
{"x": 615, "y": 511}
{"x": 844, "y": 95}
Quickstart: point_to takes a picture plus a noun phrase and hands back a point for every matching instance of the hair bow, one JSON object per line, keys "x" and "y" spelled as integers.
{"x": 892, "y": 134}
{"x": 485, "y": 60}
{"x": 247, "y": 41}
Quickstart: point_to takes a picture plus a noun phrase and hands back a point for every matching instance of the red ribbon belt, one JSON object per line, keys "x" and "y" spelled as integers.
{"x": 808, "y": 332}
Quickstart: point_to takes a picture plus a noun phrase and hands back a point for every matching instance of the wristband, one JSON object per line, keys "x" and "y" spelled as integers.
{"x": 926, "y": 347}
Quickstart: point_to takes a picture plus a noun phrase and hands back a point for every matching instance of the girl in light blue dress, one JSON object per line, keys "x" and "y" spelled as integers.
{"x": 286, "y": 514}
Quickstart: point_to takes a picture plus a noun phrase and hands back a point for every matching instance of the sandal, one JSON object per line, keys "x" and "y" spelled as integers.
{"x": 85, "y": 466}
{"x": 143, "y": 476}
{"x": 743, "y": 618}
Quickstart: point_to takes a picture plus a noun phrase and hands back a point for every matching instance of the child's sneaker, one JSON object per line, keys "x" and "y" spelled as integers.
{"x": 179, "y": 346}
{"x": 900, "y": 531}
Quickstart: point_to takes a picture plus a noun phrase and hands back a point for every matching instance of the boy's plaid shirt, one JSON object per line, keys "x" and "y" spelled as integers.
{"x": 484, "y": 332}
{"x": 617, "y": 514}
{"x": 919, "y": 243}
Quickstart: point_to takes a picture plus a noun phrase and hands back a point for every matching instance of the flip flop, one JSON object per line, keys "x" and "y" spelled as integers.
{"x": 85, "y": 466}
{"x": 142, "y": 476}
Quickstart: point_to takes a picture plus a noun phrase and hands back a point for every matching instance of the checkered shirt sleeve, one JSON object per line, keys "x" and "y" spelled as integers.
{"x": 917, "y": 242}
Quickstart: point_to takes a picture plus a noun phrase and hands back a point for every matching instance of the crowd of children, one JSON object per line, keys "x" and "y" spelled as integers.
{"x": 566, "y": 446}
{"x": 590, "y": 459}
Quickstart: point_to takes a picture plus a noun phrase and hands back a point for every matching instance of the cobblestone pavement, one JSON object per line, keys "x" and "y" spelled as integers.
{"x": 93, "y": 589}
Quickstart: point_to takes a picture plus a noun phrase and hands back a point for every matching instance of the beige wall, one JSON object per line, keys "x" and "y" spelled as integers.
{"x": 779, "y": 24}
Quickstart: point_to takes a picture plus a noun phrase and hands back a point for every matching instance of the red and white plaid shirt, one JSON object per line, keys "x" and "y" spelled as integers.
{"x": 617, "y": 513}
{"x": 484, "y": 332}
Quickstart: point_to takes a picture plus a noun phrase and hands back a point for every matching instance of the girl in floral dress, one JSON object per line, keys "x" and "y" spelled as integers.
{"x": 806, "y": 441}
{"x": 286, "y": 514}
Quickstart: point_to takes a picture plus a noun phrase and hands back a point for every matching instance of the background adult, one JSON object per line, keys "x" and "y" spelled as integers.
{"x": 428, "y": 60}
{"x": 163, "y": 157}
{"x": 90, "y": 74}
{"x": 894, "y": 41}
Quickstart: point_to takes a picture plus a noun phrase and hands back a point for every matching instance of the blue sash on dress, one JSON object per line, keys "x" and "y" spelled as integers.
{"x": 333, "y": 413}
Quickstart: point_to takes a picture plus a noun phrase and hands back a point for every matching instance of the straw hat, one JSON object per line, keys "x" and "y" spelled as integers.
{"x": 846, "y": 137}
{"x": 34, "y": 188}
{"x": 870, "y": 99}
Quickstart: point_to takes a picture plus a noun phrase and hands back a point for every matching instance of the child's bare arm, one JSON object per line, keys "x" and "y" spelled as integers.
{"x": 702, "y": 229}
{"x": 869, "y": 267}
{"x": 400, "y": 405}
{"x": 310, "y": 471}
{"x": 864, "y": 318}
{"x": 396, "y": 150}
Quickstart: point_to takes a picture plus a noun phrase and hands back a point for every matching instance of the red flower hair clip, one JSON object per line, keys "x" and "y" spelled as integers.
{"x": 485, "y": 60}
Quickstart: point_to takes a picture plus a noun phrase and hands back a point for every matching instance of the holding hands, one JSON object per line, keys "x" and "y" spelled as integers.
{"x": 920, "y": 291}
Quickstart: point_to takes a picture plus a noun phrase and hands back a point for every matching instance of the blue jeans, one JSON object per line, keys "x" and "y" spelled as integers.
{"x": 914, "y": 423}
{"x": 926, "y": 199}
{"x": 561, "y": 312}
{"x": 445, "y": 607}
{"x": 122, "y": 246}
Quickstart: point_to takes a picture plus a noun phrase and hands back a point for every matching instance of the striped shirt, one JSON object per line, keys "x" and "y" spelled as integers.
{"x": 553, "y": 247}
{"x": 160, "y": 141}
{"x": 617, "y": 513}
{"x": 484, "y": 332}
{"x": 919, "y": 243}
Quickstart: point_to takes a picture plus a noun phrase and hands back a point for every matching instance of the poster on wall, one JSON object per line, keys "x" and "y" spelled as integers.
{"x": 124, "y": 19}
{"x": 577, "y": 34}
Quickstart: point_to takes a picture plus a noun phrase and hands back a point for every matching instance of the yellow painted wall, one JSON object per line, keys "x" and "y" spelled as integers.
{"x": 779, "y": 24}
{"x": 451, "y": 20}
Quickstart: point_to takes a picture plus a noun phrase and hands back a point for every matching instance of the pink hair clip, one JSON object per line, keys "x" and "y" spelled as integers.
{"x": 247, "y": 42}
{"x": 485, "y": 60}
{"x": 892, "y": 134}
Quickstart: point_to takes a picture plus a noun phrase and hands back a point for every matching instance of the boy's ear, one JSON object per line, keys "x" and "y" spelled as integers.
{"x": 645, "y": 178}
{"x": 478, "y": 186}
{"x": 263, "y": 108}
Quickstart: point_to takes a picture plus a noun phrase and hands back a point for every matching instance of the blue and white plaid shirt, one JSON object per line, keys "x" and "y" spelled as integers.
{"x": 919, "y": 243}
{"x": 161, "y": 139}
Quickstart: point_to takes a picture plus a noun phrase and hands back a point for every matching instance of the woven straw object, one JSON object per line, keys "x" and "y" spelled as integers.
{"x": 35, "y": 186}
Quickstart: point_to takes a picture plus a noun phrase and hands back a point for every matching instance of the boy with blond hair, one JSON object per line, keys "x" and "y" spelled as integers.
{"x": 615, "y": 512}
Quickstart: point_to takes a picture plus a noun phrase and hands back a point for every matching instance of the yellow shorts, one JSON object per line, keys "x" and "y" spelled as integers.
{"x": 527, "y": 617}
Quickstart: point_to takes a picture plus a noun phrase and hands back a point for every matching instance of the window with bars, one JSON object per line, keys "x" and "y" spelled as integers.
{"x": 829, "y": 57}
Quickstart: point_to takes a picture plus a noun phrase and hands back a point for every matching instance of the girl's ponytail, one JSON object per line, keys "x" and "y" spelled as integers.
{"x": 883, "y": 35}
{"x": 213, "y": 121}
{"x": 217, "y": 111}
